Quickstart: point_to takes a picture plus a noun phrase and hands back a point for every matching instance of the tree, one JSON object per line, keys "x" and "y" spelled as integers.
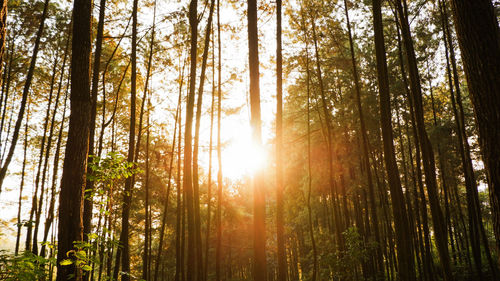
{"x": 218, "y": 214}
{"x": 282, "y": 267}
{"x": 70, "y": 228}
{"x": 89, "y": 188}
{"x": 3, "y": 28}
{"x": 478, "y": 37}
{"x": 424, "y": 143}
{"x": 405, "y": 254}
{"x": 192, "y": 272}
{"x": 26, "y": 88}
{"x": 129, "y": 183}
{"x": 259, "y": 201}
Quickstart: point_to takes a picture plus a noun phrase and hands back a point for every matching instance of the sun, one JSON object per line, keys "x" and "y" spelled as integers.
{"x": 242, "y": 158}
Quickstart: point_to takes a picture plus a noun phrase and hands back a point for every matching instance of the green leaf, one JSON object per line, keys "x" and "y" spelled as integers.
{"x": 66, "y": 262}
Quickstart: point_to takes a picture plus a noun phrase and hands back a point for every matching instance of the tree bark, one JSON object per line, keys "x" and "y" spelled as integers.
{"x": 425, "y": 145}
{"x": 21, "y": 186}
{"x": 280, "y": 221}
{"x": 70, "y": 227}
{"x": 365, "y": 145}
{"x": 406, "y": 269}
{"x": 218, "y": 214}
{"x": 192, "y": 272}
{"x": 478, "y": 38}
{"x": 309, "y": 172}
{"x": 89, "y": 187}
{"x": 259, "y": 201}
{"x": 3, "y": 29}
{"x": 127, "y": 194}
{"x": 196, "y": 184}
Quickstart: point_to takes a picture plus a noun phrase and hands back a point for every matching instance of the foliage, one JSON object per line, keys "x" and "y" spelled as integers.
{"x": 24, "y": 267}
{"x": 79, "y": 256}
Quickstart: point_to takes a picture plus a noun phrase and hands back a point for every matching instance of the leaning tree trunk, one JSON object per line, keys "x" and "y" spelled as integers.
{"x": 27, "y": 84}
{"x": 425, "y": 145}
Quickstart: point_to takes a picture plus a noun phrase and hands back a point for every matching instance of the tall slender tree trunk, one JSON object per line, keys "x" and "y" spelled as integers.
{"x": 328, "y": 133}
{"x": 196, "y": 184}
{"x": 259, "y": 201}
{"x": 309, "y": 172}
{"x": 70, "y": 226}
{"x": 147, "y": 230}
{"x": 406, "y": 269}
{"x": 3, "y": 28}
{"x": 21, "y": 186}
{"x": 417, "y": 171}
{"x": 127, "y": 193}
{"x": 89, "y": 187}
{"x": 218, "y": 215}
{"x": 365, "y": 145}
{"x": 210, "y": 148}
{"x": 280, "y": 221}
{"x": 192, "y": 272}
{"x": 179, "y": 206}
{"x": 425, "y": 145}
{"x": 38, "y": 202}
{"x": 169, "y": 184}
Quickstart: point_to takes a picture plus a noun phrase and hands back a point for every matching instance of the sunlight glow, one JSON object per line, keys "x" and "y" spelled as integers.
{"x": 242, "y": 158}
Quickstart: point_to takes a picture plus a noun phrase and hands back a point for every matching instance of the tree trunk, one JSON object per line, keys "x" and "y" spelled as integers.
{"x": 328, "y": 133}
{"x": 309, "y": 172}
{"x": 365, "y": 146}
{"x": 192, "y": 272}
{"x": 196, "y": 184}
{"x": 127, "y": 194}
{"x": 89, "y": 187}
{"x": 169, "y": 184}
{"x": 38, "y": 202}
{"x": 21, "y": 187}
{"x": 70, "y": 227}
{"x": 210, "y": 148}
{"x": 218, "y": 214}
{"x": 280, "y": 221}
{"x": 478, "y": 38}
{"x": 425, "y": 145}
{"x": 403, "y": 235}
{"x": 3, "y": 28}
{"x": 259, "y": 202}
